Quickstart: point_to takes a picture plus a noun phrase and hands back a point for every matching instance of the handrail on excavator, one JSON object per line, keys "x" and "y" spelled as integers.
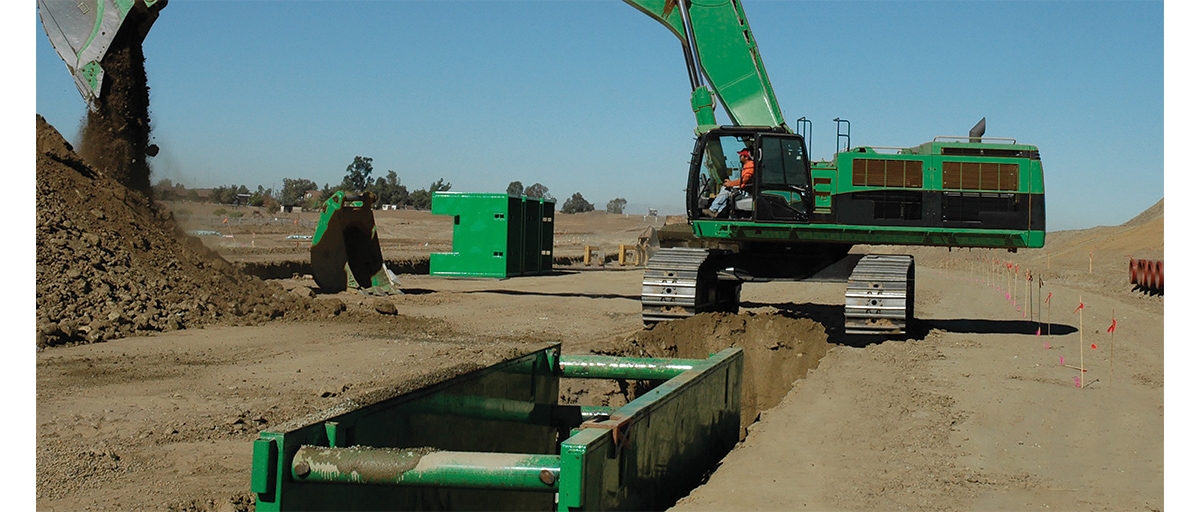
{"x": 973, "y": 139}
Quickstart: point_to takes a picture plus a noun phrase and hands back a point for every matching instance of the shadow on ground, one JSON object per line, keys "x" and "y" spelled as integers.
{"x": 832, "y": 318}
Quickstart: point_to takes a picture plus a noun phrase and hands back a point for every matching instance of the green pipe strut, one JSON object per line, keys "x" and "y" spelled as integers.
{"x": 428, "y": 467}
{"x": 634, "y": 368}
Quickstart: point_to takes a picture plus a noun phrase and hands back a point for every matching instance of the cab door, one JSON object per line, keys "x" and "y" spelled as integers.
{"x": 782, "y": 180}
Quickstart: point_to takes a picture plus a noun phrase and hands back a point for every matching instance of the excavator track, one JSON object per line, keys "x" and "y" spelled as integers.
{"x": 680, "y": 282}
{"x": 879, "y": 295}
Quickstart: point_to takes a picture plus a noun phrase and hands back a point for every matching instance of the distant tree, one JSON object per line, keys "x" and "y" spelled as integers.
{"x": 420, "y": 199}
{"x": 257, "y": 197}
{"x": 215, "y": 194}
{"x": 193, "y": 195}
{"x": 394, "y": 192}
{"x": 293, "y": 190}
{"x": 439, "y": 186}
{"x": 577, "y": 204}
{"x": 616, "y": 205}
{"x": 270, "y": 204}
{"x": 227, "y": 195}
{"x": 515, "y": 188}
{"x": 164, "y": 190}
{"x": 317, "y": 199}
{"x": 536, "y": 191}
{"x": 423, "y": 199}
{"x": 388, "y": 190}
{"x": 358, "y": 175}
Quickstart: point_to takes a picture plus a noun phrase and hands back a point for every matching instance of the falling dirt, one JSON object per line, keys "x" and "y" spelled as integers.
{"x": 117, "y": 131}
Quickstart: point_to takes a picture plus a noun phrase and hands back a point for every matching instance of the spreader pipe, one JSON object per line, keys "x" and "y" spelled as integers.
{"x": 426, "y": 466}
{"x": 591, "y": 412}
{"x": 634, "y": 368}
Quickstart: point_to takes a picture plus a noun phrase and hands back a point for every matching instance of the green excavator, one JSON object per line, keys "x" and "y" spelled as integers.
{"x": 797, "y": 219}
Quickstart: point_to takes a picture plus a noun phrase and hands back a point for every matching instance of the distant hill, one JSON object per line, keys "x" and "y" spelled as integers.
{"x": 1152, "y": 213}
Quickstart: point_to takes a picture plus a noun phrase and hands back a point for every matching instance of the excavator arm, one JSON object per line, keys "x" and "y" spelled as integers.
{"x": 720, "y": 50}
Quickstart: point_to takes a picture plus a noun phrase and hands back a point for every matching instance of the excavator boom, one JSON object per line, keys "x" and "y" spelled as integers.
{"x": 719, "y": 46}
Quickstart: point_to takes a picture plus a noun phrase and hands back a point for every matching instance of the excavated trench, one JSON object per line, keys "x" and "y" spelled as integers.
{"x": 779, "y": 350}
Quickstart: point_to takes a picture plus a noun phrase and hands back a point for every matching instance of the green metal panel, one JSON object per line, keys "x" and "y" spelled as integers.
{"x": 655, "y": 449}
{"x": 546, "y": 238}
{"x": 872, "y": 235}
{"x": 824, "y": 176}
{"x": 470, "y": 413}
{"x": 488, "y": 440}
{"x": 495, "y": 235}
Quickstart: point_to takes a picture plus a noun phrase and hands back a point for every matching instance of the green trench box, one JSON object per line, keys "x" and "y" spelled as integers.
{"x": 495, "y": 235}
{"x": 496, "y": 439}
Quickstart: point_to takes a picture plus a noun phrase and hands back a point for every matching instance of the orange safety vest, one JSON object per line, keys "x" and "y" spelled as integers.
{"x": 747, "y": 174}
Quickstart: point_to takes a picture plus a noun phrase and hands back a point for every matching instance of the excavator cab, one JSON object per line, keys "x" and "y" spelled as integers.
{"x": 781, "y": 188}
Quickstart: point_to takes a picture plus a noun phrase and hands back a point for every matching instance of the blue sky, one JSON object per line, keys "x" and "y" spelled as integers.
{"x": 592, "y": 96}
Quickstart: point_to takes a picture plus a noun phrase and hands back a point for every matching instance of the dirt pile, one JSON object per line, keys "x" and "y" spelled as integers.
{"x": 1156, "y": 212}
{"x": 111, "y": 264}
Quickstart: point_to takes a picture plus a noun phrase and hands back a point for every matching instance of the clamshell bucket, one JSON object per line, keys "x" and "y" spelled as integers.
{"x": 345, "y": 251}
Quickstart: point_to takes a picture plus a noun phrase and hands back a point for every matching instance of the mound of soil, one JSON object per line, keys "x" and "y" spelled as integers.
{"x": 111, "y": 264}
{"x": 1156, "y": 212}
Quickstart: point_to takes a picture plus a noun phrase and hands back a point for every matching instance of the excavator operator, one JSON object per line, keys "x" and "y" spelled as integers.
{"x": 732, "y": 186}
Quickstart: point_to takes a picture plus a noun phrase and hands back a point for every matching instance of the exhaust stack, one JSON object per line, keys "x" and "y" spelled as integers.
{"x": 976, "y": 133}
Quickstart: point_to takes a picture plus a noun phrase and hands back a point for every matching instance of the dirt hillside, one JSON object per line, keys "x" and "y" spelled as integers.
{"x": 110, "y": 264}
